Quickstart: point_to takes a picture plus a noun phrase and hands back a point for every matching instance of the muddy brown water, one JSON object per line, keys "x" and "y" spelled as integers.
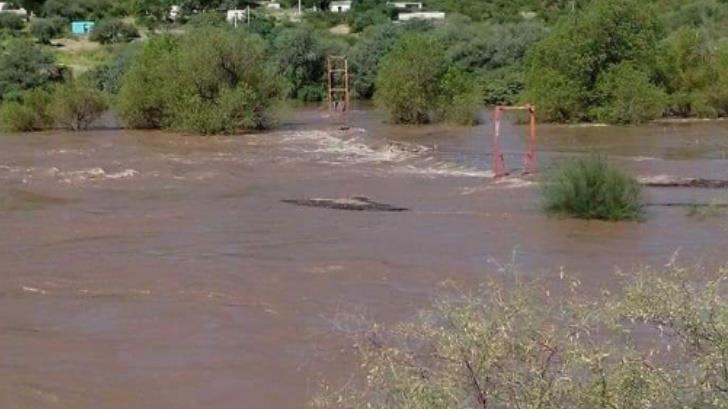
{"x": 155, "y": 270}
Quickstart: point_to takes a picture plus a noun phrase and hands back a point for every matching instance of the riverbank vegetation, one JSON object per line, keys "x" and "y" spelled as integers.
{"x": 590, "y": 188}
{"x": 658, "y": 342}
{"x": 621, "y": 61}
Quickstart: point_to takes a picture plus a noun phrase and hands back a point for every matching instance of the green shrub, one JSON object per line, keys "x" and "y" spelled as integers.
{"x": 417, "y": 84}
{"x": 210, "y": 80}
{"x": 628, "y": 96}
{"x": 375, "y": 42}
{"x": 142, "y": 101}
{"x": 11, "y": 23}
{"x": 590, "y": 188}
{"x": 76, "y": 105}
{"x": 563, "y": 69}
{"x": 113, "y": 31}
{"x": 28, "y": 112}
{"x": 207, "y": 19}
{"x": 300, "y": 57}
{"x": 459, "y": 101}
{"x": 23, "y": 66}
{"x": 663, "y": 344}
{"x": 46, "y": 29}
{"x": 107, "y": 77}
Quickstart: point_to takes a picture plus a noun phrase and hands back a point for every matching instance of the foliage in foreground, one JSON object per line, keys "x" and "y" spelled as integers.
{"x": 418, "y": 84}
{"x": 662, "y": 344}
{"x": 210, "y": 80}
{"x": 590, "y": 188}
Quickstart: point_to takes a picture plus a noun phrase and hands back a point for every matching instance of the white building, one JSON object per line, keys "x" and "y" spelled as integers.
{"x": 6, "y": 8}
{"x": 273, "y": 5}
{"x": 422, "y": 15}
{"x": 175, "y": 12}
{"x": 406, "y": 5}
{"x": 236, "y": 16}
{"x": 340, "y": 6}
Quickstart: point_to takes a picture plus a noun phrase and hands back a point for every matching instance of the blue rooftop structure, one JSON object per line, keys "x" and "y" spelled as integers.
{"x": 82, "y": 27}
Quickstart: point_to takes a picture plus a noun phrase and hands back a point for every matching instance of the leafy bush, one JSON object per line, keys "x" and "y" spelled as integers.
{"x": 107, "y": 77}
{"x": 11, "y": 23}
{"x": 416, "y": 84}
{"x": 374, "y": 44}
{"x": 210, "y": 80}
{"x": 113, "y": 31}
{"x": 628, "y": 97}
{"x": 46, "y": 29}
{"x": 142, "y": 101}
{"x": 27, "y": 113}
{"x": 23, "y": 66}
{"x": 459, "y": 101}
{"x": 563, "y": 69}
{"x": 408, "y": 79}
{"x": 75, "y": 105}
{"x": 207, "y": 19}
{"x": 83, "y": 9}
{"x": 660, "y": 345}
{"x": 590, "y": 188}
{"x": 300, "y": 57}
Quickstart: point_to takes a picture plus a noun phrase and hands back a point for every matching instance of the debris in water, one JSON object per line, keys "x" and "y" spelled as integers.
{"x": 672, "y": 181}
{"x": 358, "y": 203}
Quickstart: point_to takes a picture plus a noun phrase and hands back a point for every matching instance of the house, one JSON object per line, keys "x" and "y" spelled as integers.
{"x": 175, "y": 12}
{"x": 235, "y": 16}
{"x": 405, "y": 5}
{"x": 422, "y": 15}
{"x": 273, "y": 5}
{"x": 6, "y": 7}
{"x": 340, "y": 6}
{"x": 82, "y": 28}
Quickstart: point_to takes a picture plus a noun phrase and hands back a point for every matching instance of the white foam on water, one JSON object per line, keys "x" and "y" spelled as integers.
{"x": 660, "y": 179}
{"x": 332, "y": 149}
{"x": 343, "y": 148}
{"x": 76, "y": 176}
{"x": 445, "y": 169}
{"x": 503, "y": 183}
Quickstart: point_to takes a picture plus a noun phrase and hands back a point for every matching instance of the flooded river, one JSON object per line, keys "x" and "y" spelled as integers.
{"x": 154, "y": 270}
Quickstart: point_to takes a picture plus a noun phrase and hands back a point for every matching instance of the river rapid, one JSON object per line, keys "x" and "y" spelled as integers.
{"x": 145, "y": 269}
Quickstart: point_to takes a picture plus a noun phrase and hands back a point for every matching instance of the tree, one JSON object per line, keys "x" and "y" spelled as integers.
{"x": 408, "y": 79}
{"x": 210, "y": 80}
{"x": 417, "y": 84}
{"x": 24, "y": 66}
{"x": 112, "y": 31}
{"x": 563, "y": 69}
{"x": 374, "y": 44}
{"x": 76, "y": 105}
{"x": 301, "y": 59}
{"x": 46, "y": 29}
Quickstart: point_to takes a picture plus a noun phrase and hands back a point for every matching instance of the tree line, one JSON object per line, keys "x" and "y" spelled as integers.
{"x": 615, "y": 61}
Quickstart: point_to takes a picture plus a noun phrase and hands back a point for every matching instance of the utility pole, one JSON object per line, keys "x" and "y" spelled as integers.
{"x": 300, "y": 10}
{"x": 247, "y": 13}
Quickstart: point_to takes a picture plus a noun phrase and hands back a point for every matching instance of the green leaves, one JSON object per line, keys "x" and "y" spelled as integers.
{"x": 590, "y": 188}
{"x": 418, "y": 84}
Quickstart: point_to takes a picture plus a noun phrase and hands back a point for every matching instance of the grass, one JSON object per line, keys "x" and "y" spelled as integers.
{"x": 591, "y": 188}
{"x": 661, "y": 343}
{"x": 82, "y": 55}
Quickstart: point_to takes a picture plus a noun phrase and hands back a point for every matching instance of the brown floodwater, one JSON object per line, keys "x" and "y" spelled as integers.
{"x": 157, "y": 270}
